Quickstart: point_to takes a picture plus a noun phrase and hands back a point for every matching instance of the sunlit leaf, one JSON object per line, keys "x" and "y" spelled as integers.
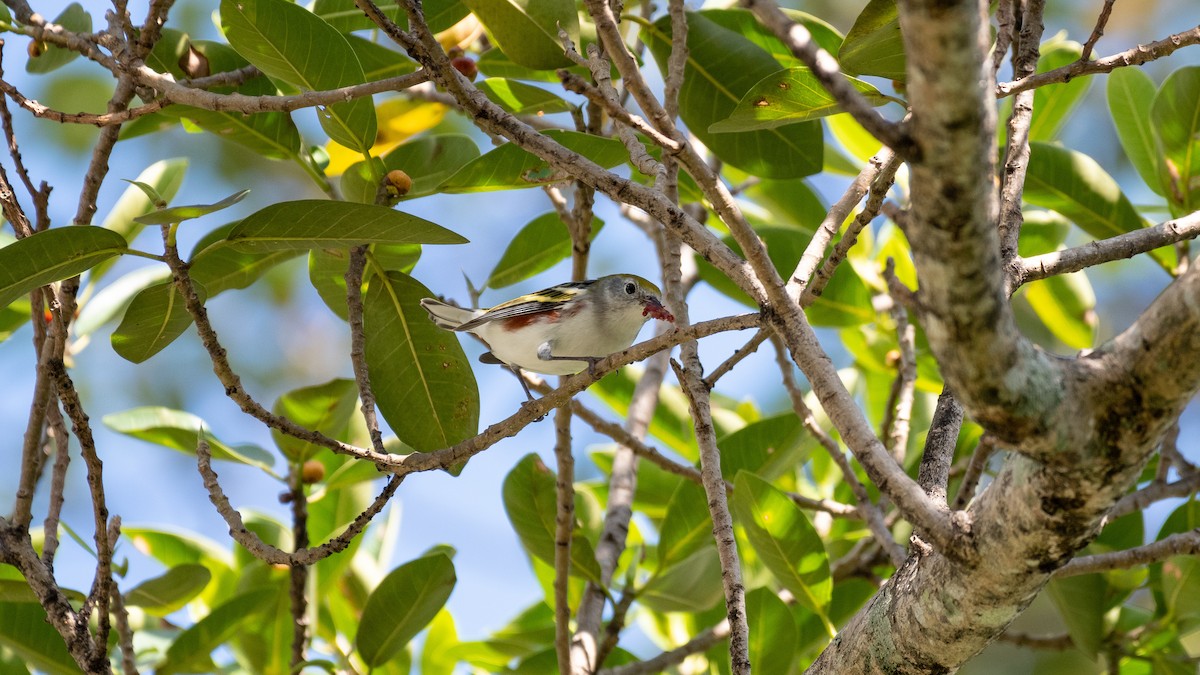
{"x": 721, "y": 67}
{"x": 1177, "y": 127}
{"x": 176, "y": 214}
{"x": 690, "y": 585}
{"x": 541, "y": 244}
{"x": 785, "y": 541}
{"x": 280, "y": 37}
{"x": 1130, "y": 94}
{"x": 405, "y": 601}
{"x": 326, "y": 408}
{"x": 424, "y": 385}
{"x": 1076, "y": 186}
{"x": 788, "y": 97}
{"x": 53, "y": 255}
{"x": 171, "y": 591}
{"x": 181, "y": 431}
{"x": 321, "y": 223}
{"x": 508, "y": 167}
{"x": 527, "y": 30}
{"x": 1080, "y": 601}
{"x": 772, "y": 631}
{"x": 530, "y": 502}
{"x": 874, "y": 45}
{"x": 191, "y": 649}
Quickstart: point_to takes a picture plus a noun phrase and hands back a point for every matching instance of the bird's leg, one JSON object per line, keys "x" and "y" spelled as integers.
{"x": 543, "y": 354}
{"x": 524, "y": 385}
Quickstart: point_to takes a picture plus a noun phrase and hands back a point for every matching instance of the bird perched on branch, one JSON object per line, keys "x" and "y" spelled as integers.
{"x": 560, "y": 330}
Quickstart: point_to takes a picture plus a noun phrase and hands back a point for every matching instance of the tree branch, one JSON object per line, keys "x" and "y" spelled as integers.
{"x": 1133, "y": 57}
{"x": 1107, "y": 250}
{"x": 1182, "y": 543}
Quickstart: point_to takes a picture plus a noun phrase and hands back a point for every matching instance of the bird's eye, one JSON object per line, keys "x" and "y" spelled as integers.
{"x": 630, "y": 287}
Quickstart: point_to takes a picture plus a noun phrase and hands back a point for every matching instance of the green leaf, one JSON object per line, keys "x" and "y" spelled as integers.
{"x": 326, "y": 408}
{"x": 874, "y": 45}
{"x": 1067, "y": 305}
{"x": 437, "y": 654}
{"x": 424, "y": 386}
{"x": 495, "y": 63}
{"x": 785, "y": 541}
{"x": 541, "y": 244}
{"x": 75, "y": 19}
{"x": 404, "y": 602}
{"x": 1130, "y": 94}
{"x": 672, "y": 421}
{"x": 183, "y": 548}
{"x": 320, "y": 223}
{"x": 164, "y": 177}
{"x": 269, "y": 134}
{"x": 171, "y": 591}
{"x": 280, "y": 38}
{"x": 219, "y": 266}
{"x": 345, "y": 16}
{"x": 527, "y": 30}
{"x": 155, "y": 317}
{"x": 25, "y": 630}
{"x": 13, "y": 317}
{"x": 378, "y": 62}
{"x": 690, "y": 585}
{"x": 180, "y": 431}
{"x": 1053, "y": 104}
{"x": 508, "y": 167}
{"x": 744, "y": 23}
{"x": 191, "y": 649}
{"x": 789, "y": 202}
{"x": 1080, "y": 601}
{"x": 721, "y": 67}
{"x": 177, "y": 214}
{"x": 1175, "y": 113}
{"x": 54, "y": 255}
{"x": 428, "y": 161}
{"x": 519, "y": 98}
{"x": 327, "y": 270}
{"x": 1074, "y": 185}
{"x": 769, "y": 441}
{"x": 531, "y": 503}
{"x": 686, "y": 528}
{"x": 773, "y": 632}
{"x": 788, "y": 97}
{"x": 114, "y": 298}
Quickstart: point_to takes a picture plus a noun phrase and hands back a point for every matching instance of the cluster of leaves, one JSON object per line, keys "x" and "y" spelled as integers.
{"x": 763, "y": 115}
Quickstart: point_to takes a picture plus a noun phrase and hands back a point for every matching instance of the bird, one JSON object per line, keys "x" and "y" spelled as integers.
{"x": 561, "y": 330}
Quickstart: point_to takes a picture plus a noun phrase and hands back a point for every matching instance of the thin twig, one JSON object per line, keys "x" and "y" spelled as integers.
{"x": 979, "y": 459}
{"x": 665, "y": 660}
{"x": 827, "y": 71}
{"x": 868, "y": 509}
{"x": 1107, "y": 250}
{"x": 934, "y": 472}
{"x": 1137, "y": 501}
{"x": 358, "y": 340}
{"x": 1098, "y": 31}
{"x": 564, "y": 525}
{"x": 1181, "y": 543}
{"x": 1132, "y": 57}
{"x": 298, "y": 573}
{"x": 58, "y": 480}
{"x": 1020, "y": 121}
{"x": 736, "y": 357}
{"x": 718, "y": 506}
{"x": 906, "y": 380}
{"x": 1053, "y": 642}
{"x": 266, "y": 552}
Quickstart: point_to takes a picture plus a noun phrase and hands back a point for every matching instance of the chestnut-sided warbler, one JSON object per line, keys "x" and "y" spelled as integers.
{"x": 560, "y": 330}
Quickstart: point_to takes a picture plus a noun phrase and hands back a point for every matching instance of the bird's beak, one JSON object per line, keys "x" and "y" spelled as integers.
{"x": 655, "y": 309}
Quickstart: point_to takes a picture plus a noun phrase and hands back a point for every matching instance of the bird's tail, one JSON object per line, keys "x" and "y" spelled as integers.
{"x": 447, "y": 316}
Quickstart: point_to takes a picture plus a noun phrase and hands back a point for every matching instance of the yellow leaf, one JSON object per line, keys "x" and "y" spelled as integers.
{"x": 399, "y": 120}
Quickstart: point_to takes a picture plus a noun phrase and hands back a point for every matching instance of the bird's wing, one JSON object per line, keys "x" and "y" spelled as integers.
{"x": 548, "y": 300}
